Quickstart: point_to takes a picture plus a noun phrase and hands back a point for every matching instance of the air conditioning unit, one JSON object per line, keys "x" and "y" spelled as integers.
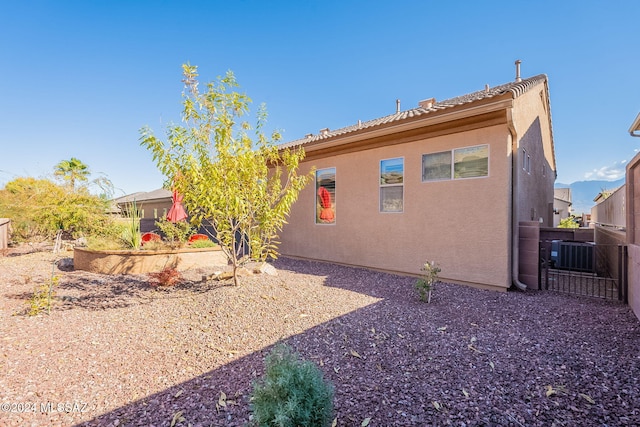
{"x": 578, "y": 256}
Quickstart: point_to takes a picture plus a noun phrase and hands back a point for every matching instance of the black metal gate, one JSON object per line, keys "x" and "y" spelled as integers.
{"x": 584, "y": 268}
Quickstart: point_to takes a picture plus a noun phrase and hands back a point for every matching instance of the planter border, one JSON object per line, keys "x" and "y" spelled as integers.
{"x": 146, "y": 261}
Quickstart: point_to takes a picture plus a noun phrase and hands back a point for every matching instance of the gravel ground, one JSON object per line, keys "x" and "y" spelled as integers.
{"x": 116, "y": 351}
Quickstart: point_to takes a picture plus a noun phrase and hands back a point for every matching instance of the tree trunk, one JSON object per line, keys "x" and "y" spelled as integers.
{"x": 235, "y": 274}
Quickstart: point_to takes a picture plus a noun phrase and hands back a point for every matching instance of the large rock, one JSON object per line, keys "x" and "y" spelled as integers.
{"x": 265, "y": 268}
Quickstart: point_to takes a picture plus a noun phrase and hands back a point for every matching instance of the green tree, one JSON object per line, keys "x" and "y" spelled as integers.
{"x": 38, "y": 208}
{"x": 231, "y": 174}
{"x": 569, "y": 222}
{"x": 72, "y": 171}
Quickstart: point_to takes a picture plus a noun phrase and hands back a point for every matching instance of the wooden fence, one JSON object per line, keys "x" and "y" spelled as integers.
{"x": 4, "y": 234}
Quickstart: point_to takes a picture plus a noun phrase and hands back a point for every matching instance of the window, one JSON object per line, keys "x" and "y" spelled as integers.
{"x": 468, "y": 162}
{"x": 326, "y": 196}
{"x": 391, "y": 185}
{"x": 436, "y": 166}
{"x": 526, "y": 161}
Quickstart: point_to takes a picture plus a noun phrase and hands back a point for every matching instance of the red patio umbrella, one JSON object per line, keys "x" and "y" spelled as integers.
{"x": 177, "y": 212}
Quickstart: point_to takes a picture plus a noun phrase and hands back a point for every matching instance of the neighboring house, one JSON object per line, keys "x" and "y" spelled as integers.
{"x": 448, "y": 181}
{"x": 561, "y": 205}
{"x": 153, "y": 205}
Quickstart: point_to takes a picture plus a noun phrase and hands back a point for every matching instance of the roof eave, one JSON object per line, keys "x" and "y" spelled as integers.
{"x": 635, "y": 127}
{"x": 449, "y": 115}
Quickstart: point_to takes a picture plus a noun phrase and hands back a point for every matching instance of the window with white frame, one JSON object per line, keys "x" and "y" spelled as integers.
{"x": 326, "y": 196}
{"x": 436, "y": 166}
{"x": 392, "y": 185}
{"x": 467, "y": 162}
{"x": 526, "y": 161}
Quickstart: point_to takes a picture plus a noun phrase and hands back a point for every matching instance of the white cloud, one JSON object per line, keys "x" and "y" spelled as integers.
{"x": 607, "y": 173}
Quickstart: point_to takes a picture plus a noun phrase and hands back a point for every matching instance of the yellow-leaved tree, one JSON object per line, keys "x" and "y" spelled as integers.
{"x": 230, "y": 174}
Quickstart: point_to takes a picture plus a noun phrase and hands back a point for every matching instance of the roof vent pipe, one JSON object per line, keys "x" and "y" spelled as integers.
{"x": 486, "y": 88}
{"x": 518, "y": 62}
{"x": 397, "y": 106}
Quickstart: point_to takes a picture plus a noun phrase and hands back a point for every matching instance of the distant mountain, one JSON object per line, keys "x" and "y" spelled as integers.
{"x": 583, "y": 193}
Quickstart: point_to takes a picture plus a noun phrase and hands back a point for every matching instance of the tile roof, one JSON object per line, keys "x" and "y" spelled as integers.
{"x": 141, "y": 196}
{"x": 515, "y": 88}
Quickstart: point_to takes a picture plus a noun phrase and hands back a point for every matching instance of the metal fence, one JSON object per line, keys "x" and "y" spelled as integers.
{"x": 584, "y": 268}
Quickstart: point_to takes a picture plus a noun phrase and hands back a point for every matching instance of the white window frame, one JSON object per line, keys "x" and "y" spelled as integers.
{"x": 452, "y": 152}
{"x": 526, "y": 161}
{"x": 315, "y": 204}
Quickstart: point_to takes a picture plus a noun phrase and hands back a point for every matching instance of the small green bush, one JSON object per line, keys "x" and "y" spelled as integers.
{"x": 175, "y": 232}
{"x": 101, "y": 243}
{"x": 292, "y": 392}
{"x": 202, "y": 244}
{"x": 425, "y": 284}
{"x": 131, "y": 236}
{"x": 42, "y": 298}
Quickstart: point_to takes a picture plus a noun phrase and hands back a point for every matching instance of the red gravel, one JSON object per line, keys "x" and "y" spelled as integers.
{"x": 117, "y": 351}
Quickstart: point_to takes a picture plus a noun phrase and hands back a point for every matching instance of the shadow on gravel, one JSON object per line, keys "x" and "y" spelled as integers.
{"x": 99, "y": 292}
{"x": 471, "y": 357}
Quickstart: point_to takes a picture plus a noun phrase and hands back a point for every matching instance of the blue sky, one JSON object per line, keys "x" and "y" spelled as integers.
{"x": 80, "y": 78}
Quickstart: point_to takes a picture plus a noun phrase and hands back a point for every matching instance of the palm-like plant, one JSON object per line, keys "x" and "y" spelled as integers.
{"x": 72, "y": 171}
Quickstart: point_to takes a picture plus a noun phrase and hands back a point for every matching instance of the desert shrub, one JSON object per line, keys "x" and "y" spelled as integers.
{"x": 169, "y": 276}
{"x": 42, "y": 298}
{"x": 101, "y": 243}
{"x": 39, "y": 208}
{"x": 292, "y": 392}
{"x": 175, "y": 232}
{"x": 425, "y": 284}
{"x": 130, "y": 235}
{"x": 155, "y": 245}
{"x": 202, "y": 244}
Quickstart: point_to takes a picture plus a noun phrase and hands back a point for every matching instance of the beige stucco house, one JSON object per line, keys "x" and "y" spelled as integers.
{"x": 448, "y": 181}
{"x": 152, "y": 206}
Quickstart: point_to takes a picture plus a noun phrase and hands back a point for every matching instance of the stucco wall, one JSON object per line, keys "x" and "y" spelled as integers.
{"x": 634, "y": 278}
{"x": 461, "y": 224}
{"x": 535, "y": 185}
{"x": 633, "y": 232}
{"x": 611, "y": 211}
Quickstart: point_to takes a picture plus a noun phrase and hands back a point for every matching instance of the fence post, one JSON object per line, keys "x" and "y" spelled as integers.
{"x": 626, "y": 274}
{"x": 620, "y": 273}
